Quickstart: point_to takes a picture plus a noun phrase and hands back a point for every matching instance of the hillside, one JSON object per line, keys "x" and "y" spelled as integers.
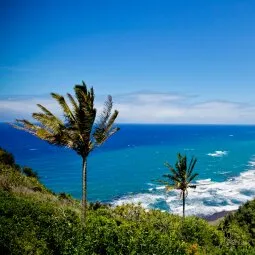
{"x": 34, "y": 220}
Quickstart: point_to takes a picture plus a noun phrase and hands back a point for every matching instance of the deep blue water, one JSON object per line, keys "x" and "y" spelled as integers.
{"x": 124, "y": 168}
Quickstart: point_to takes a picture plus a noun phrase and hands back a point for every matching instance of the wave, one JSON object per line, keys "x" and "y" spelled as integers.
{"x": 225, "y": 172}
{"x": 251, "y": 163}
{"x": 208, "y": 198}
{"x": 205, "y": 181}
{"x": 218, "y": 154}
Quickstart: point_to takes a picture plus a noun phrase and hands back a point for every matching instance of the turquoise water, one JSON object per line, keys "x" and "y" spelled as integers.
{"x": 125, "y": 168}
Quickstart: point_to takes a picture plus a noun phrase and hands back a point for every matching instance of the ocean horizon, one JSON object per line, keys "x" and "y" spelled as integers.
{"x": 126, "y": 167}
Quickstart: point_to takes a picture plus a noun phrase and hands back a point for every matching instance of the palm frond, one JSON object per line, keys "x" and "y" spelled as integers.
{"x": 104, "y": 127}
{"x": 67, "y": 111}
{"x": 112, "y": 132}
{"x": 86, "y": 114}
{"x": 173, "y": 178}
{"x": 84, "y": 96}
{"x": 192, "y": 177}
{"x": 191, "y": 166}
{"x": 181, "y": 176}
{"x": 49, "y": 122}
{"x": 90, "y": 95}
{"x": 45, "y": 110}
{"x": 100, "y": 133}
{"x": 169, "y": 188}
{"x": 179, "y": 163}
{"x": 49, "y": 115}
{"x": 45, "y": 134}
{"x": 73, "y": 102}
{"x": 25, "y": 125}
{"x": 76, "y": 131}
{"x": 111, "y": 120}
{"x": 80, "y": 93}
{"x": 175, "y": 172}
{"x": 162, "y": 182}
{"x": 178, "y": 176}
{"x": 104, "y": 116}
{"x": 33, "y": 129}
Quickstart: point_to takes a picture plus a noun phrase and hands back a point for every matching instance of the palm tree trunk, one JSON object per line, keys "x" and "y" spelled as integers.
{"x": 183, "y": 204}
{"x": 84, "y": 189}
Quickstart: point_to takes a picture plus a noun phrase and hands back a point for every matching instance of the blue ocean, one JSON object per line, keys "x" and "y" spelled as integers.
{"x": 125, "y": 168}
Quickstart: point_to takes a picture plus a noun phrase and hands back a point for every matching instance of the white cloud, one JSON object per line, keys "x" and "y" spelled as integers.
{"x": 146, "y": 107}
{"x": 150, "y": 97}
{"x": 22, "y": 107}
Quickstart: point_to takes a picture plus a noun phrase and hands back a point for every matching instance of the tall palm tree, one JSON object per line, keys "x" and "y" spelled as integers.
{"x": 180, "y": 177}
{"x": 79, "y": 131}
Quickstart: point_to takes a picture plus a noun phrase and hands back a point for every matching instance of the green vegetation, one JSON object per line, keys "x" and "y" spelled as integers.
{"x": 34, "y": 220}
{"x": 181, "y": 177}
{"x": 29, "y": 172}
{"x": 77, "y": 131}
{"x": 239, "y": 228}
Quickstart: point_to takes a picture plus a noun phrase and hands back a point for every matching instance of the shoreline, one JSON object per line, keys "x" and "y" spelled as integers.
{"x": 217, "y": 217}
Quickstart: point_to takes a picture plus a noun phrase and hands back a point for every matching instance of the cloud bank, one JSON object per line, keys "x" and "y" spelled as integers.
{"x": 145, "y": 107}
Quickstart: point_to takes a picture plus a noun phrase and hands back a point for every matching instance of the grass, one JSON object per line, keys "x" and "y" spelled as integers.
{"x": 35, "y": 220}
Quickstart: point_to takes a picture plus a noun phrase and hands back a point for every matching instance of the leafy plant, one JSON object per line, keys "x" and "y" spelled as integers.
{"x": 30, "y": 172}
{"x": 180, "y": 177}
{"x": 43, "y": 223}
{"x": 6, "y": 157}
{"x": 78, "y": 131}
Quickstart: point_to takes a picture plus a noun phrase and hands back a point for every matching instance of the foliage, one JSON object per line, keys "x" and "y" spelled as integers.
{"x": 29, "y": 172}
{"x": 28, "y": 226}
{"x": 6, "y": 157}
{"x": 181, "y": 176}
{"x": 42, "y": 228}
{"x": 39, "y": 222}
{"x": 239, "y": 228}
{"x": 77, "y": 131}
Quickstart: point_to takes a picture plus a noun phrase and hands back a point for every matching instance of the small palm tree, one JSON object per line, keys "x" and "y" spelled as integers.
{"x": 78, "y": 131}
{"x": 180, "y": 177}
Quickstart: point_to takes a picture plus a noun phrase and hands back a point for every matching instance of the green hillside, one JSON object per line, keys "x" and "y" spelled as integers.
{"x": 34, "y": 220}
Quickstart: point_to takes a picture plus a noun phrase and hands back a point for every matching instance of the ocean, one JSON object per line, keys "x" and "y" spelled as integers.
{"x": 126, "y": 167}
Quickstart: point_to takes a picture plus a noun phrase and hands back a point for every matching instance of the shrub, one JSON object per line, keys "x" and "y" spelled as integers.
{"x": 239, "y": 228}
{"x": 36, "y": 221}
{"x": 29, "y": 172}
{"x": 32, "y": 227}
{"x": 6, "y": 157}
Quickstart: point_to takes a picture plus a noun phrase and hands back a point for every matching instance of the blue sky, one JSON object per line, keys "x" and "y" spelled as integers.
{"x": 163, "y": 61}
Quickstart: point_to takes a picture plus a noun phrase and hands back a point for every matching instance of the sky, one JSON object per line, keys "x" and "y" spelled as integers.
{"x": 179, "y": 61}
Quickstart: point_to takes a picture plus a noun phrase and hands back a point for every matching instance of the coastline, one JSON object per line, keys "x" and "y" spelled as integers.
{"x": 217, "y": 217}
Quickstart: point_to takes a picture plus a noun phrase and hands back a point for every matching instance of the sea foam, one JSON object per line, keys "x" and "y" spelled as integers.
{"x": 218, "y": 154}
{"x": 208, "y": 198}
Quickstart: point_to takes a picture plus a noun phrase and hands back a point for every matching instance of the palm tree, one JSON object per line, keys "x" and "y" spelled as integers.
{"x": 180, "y": 177}
{"x": 78, "y": 131}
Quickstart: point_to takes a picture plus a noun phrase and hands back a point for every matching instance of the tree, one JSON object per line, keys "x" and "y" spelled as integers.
{"x": 79, "y": 131}
{"x": 180, "y": 177}
{"x": 6, "y": 157}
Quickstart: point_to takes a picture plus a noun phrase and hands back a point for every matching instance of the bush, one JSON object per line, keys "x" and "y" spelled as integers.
{"x": 36, "y": 221}
{"x": 239, "y": 228}
{"x": 29, "y": 172}
{"x": 32, "y": 227}
{"x": 6, "y": 157}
